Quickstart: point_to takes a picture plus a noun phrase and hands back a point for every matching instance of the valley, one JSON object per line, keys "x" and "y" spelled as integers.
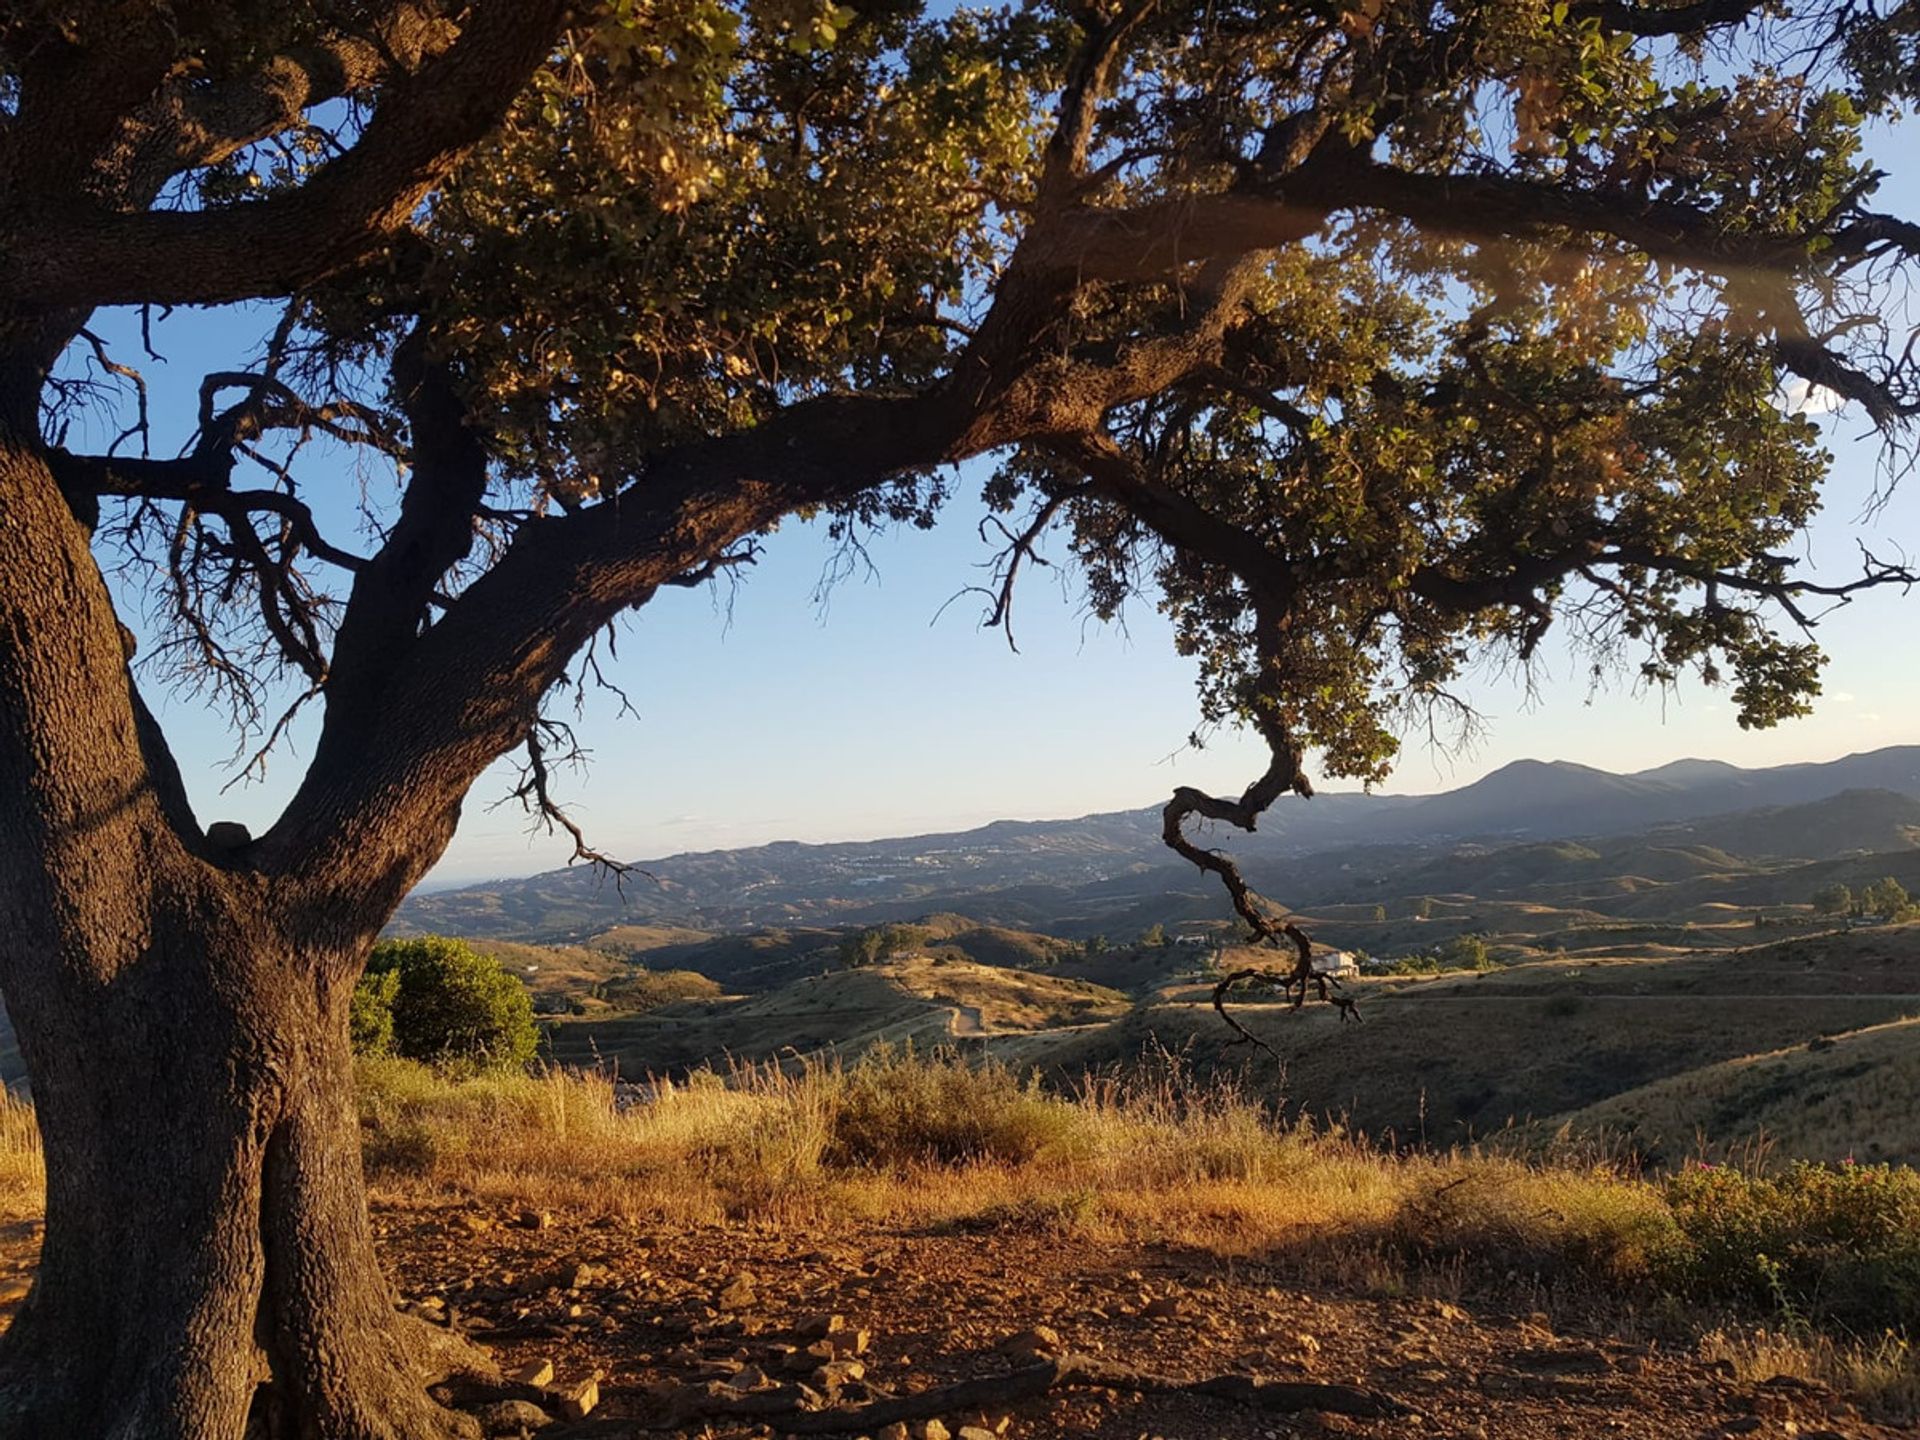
{"x": 1668, "y": 991}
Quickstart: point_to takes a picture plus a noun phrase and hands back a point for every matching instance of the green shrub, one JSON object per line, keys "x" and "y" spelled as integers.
{"x": 445, "y": 1003}
{"x": 1816, "y": 1242}
{"x": 370, "y": 1013}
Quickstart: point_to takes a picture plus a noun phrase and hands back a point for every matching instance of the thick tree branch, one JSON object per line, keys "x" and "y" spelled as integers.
{"x": 189, "y": 123}
{"x": 70, "y": 256}
{"x": 434, "y": 530}
{"x": 1622, "y": 17}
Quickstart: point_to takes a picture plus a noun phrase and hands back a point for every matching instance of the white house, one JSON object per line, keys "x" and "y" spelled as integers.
{"x": 1335, "y": 962}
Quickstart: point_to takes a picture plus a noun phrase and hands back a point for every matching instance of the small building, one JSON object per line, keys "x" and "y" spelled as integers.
{"x": 1337, "y": 963}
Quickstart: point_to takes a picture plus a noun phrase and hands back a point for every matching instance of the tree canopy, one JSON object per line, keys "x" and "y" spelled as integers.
{"x": 1365, "y": 337}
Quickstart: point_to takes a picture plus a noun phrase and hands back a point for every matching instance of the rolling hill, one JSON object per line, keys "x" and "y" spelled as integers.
{"x": 1110, "y": 872}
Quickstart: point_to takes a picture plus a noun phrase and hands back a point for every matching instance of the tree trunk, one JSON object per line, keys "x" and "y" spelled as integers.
{"x": 207, "y": 1270}
{"x": 207, "y": 1256}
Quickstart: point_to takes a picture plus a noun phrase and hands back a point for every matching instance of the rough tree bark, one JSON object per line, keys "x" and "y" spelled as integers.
{"x": 207, "y": 1254}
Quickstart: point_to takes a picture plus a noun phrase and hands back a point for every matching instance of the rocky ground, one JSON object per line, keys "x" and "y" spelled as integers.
{"x": 732, "y": 1331}
{"x": 677, "y": 1329}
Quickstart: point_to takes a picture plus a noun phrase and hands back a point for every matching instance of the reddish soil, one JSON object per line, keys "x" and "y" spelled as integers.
{"x": 660, "y": 1314}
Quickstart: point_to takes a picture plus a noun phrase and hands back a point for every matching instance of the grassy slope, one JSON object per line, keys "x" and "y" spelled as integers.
{"x": 846, "y": 1011}
{"x": 1852, "y": 1096}
{"x": 1457, "y": 1055}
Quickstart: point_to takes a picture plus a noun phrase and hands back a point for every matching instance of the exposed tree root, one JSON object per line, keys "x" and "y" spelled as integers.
{"x": 999, "y": 1392}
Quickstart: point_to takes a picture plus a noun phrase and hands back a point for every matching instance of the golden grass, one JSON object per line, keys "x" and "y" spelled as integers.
{"x": 1854, "y": 1095}
{"x": 934, "y": 1142}
{"x": 23, "y": 1175}
{"x": 1881, "y": 1372}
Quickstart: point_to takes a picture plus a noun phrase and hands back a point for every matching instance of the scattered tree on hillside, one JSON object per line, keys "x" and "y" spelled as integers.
{"x": 1834, "y": 899}
{"x": 880, "y": 943}
{"x": 1154, "y": 937}
{"x": 1367, "y": 340}
{"x": 1886, "y": 898}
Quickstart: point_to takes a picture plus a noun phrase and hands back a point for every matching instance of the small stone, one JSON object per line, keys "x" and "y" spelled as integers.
{"x": 581, "y": 1276}
{"x": 836, "y": 1373}
{"x": 1040, "y": 1340}
{"x": 748, "y": 1377}
{"x": 577, "y": 1401}
{"x": 816, "y": 1327}
{"x": 850, "y": 1342}
{"x": 1164, "y": 1308}
{"x": 535, "y": 1372}
{"x": 975, "y": 1432}
{"x": 931, "y": 1430}
{"x": 895, "y": 1431}
{"x": 534, "y": 1220}
{"x": 737, "y": 1295}
{"x": 512, "y": 1417}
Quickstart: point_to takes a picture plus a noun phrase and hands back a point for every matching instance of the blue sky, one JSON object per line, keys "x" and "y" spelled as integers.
{"x": 771, "y": 712}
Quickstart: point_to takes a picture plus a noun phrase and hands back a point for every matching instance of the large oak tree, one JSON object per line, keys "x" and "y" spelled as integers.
{"x": 1367, "y": 336}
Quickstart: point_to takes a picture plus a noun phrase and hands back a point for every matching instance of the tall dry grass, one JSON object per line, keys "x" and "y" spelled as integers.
{"x": 934, "y": 1140}
{"x": 919, "y": 1141}
{"x": 23, "y": 1175}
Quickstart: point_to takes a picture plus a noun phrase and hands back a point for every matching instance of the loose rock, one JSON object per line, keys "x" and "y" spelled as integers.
{"x": 535, "y": 1372}
{"x": 512, "y": 1417}
{"x": 1040, "y": 1340}
{"x": 577, "y": 1401}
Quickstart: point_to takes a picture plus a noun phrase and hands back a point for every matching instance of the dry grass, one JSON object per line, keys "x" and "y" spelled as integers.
{"x": 1854, "y": 1095}
{"x": 23, "y": 1176}
{"x": 930, "y": 1141}
{"x": 935, "y": 1142}
{"x": 1882, "y": 1372}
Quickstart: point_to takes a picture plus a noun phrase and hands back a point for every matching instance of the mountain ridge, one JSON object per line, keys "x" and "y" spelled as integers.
{"x": 836, "y": 882}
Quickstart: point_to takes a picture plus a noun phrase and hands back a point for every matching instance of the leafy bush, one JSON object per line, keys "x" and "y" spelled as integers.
{"x": 1463, "y": 952}
{"x": 445, "y": 1004}
{"x": 1817, "y": 1242}
{"x": 370, "y": 1013}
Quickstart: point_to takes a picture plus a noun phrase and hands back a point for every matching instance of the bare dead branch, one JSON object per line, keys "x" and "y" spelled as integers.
{"x": 535, "y": 794}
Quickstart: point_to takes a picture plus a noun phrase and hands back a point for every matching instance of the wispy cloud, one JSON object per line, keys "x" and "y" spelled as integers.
{"x": 1841, "y": 697}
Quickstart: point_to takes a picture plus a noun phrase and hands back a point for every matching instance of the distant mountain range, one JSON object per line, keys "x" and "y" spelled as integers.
{"x": 1042, "y": 871}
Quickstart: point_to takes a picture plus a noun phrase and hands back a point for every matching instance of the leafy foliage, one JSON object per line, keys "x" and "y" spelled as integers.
{"x": 1886, "y": 897}
{"x": 444, "y": 1003}
{"x": 1834, "y": 899}
{"x": 879, "y": 943}
{"x": 370, "y": 1013}
{"x": 1838, "y": 1244}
